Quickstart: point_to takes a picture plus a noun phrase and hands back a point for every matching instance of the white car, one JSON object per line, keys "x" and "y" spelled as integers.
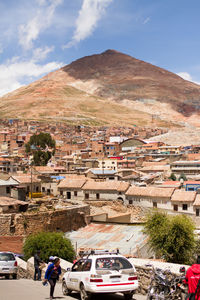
{"x": 8, "y": 265}
{"x": 101, "y": 272}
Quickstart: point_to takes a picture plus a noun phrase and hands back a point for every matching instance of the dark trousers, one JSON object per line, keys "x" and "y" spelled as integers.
{"x": 52, "y": 283}
{"x": 37, "y": 272}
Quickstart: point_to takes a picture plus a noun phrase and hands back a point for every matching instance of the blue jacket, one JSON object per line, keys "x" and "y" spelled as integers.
{"x": 49, "y": 271}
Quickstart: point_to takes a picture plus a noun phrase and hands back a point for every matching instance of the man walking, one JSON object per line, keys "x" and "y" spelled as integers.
{"x": 37, "y": 262}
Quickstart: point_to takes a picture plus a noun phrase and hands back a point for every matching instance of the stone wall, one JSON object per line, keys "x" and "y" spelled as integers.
{"x": 5, "y": 223}
{"x": 68, "y": 219}
{"x": 144, "y": 271}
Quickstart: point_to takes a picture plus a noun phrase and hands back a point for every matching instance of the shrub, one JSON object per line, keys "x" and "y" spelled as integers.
{"x": 171, "y": 237}
{"x": 49, "y": 243}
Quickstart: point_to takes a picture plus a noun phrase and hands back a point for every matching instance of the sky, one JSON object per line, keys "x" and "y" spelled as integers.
{"x": 39, "y": 36}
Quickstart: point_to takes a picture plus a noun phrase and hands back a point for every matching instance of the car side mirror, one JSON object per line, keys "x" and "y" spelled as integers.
{"x": 68, "y": 269}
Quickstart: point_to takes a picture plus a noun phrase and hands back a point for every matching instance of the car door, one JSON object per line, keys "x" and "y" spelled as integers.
{"x": 75, "y": 274}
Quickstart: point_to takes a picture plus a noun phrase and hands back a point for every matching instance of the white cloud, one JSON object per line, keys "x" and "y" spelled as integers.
{"x": 14, "y": 72}
{"x": 89, "y": 15}
{"x": 146, "y": 20}
{"x": 29, "y": 32}
{"x": 187, "y": 76}
{"x": 41, "y": 53}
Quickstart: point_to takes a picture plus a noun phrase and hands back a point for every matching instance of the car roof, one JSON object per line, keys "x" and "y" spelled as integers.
{"x": 7, "y": 252}
{"x": 103, "y": 256}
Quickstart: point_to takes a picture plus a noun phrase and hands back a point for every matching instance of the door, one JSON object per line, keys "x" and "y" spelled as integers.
{"x": 75, "y": 275}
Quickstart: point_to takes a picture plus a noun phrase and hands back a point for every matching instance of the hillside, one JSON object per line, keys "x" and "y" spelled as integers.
{"x": 107, "y": 88}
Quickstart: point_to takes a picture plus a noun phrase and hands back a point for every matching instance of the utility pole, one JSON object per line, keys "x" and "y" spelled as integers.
{"x": 31, "y": 181}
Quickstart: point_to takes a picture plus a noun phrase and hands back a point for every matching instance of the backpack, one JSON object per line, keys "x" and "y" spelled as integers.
{"x": 192, "y": 296}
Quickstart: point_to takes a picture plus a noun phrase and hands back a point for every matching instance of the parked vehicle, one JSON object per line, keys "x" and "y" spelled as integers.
{"x": 101, "y": 272}
{"x": 8, "y": 265}
{"x": 164, "y": 285}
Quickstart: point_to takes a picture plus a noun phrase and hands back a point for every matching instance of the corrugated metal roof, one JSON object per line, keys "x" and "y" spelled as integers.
{"x": 105, "y": 236}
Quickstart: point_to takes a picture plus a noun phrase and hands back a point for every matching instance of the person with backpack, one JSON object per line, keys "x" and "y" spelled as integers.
{"x": 192, "y": 279}
{"x": 52, "y": 275}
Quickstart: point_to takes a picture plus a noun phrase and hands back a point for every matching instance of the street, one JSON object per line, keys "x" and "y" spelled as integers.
{"x": 24, "y": 289}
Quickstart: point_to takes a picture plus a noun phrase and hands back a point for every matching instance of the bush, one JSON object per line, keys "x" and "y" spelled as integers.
{"x": 172, "y": 177}
{"x": 171, "y": 238}
{"x": 49, "y": 243}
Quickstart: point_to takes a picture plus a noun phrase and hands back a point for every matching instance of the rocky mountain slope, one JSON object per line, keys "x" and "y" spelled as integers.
{"x": 107, "y": 88}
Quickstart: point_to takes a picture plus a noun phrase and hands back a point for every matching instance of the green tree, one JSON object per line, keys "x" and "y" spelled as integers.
{"x": 171, "y": 237}
{"x": 42, "y": 147}
{"x": 172, "y": 177}
{"x": 49, "y": 243}
{"x": 182, "y": 176}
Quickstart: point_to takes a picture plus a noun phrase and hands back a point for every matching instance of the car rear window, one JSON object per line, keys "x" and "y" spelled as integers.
{"x": 112, "y": 263}
{"x": 6, "y": 257}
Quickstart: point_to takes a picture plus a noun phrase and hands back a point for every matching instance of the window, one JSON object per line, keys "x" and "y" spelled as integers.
{"x": 130, "y": 202}
{"x": 61, "y": 193}
{"x": 185, "y": 206}
{"x": 97, "y": 196}
{"x": 87, "y": 265}
{"x": 78, "y": 265}
{"x": 112, "y": 263}
{"x": 154, "y": 204}
{"x": 75, "y": 193}
{"x": 175, "y": 207}
{"x": 6, "y": 257}
{"x": 197, "y": 212}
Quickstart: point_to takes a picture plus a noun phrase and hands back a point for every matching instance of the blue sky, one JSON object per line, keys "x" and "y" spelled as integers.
{"x": 39, "y": 36}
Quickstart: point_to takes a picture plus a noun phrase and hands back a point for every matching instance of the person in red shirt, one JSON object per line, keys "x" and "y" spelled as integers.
{"x": 192, "y": 278}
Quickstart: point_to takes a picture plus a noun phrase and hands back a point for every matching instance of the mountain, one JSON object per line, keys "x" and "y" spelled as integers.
{"x": 104, "y": 89}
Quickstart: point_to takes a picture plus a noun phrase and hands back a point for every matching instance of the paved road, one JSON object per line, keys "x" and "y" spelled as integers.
{"x": 24, "y": 289}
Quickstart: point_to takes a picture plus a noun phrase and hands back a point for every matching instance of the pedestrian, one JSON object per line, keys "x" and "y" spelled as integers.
{"x": 52, "y": 275}
{"x": 192, "y": 279}
{"x": 51, "y": 260}
{"x": 37, "y": 262}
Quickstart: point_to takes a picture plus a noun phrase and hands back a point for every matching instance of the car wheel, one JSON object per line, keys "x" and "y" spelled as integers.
{"x": 7, "y": 276}
{"x": 83, "y": 294}
{"x": 14, "y": 276}
{"x": 65, "y": 290}
{"x": 128, "y": 296}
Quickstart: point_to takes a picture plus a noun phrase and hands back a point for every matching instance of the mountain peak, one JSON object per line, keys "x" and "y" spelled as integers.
{"x": 111, "y": 52}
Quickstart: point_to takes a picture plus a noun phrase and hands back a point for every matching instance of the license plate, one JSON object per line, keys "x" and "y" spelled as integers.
{"x": 115, "y": 280}
{"x": 5, "y": 269}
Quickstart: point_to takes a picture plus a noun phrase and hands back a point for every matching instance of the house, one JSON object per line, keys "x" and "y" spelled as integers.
{"x": 31, "y": 182}
{"x": 9, "y": 205}
{"x": 72, "y": 188}
{"x": 6, "y": 186}
{"x": 196, "y": 205}
{"x": 110, "y": 164}
{"x": 101, "y": 174}
{"x": 105, "y": 190}
{"x": 182, "y": 201}
{"x": 149, "y": 197}
{"x": 186, "y": 167}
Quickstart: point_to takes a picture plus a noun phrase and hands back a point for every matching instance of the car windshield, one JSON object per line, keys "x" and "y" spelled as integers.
{"x": 6, "y": 257}
{"x": 112, "y": 263}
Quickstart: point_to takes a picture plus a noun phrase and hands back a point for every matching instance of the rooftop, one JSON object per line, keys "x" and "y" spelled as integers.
{"x": 183, "y": 196}
{"x": 104, "y": 236}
